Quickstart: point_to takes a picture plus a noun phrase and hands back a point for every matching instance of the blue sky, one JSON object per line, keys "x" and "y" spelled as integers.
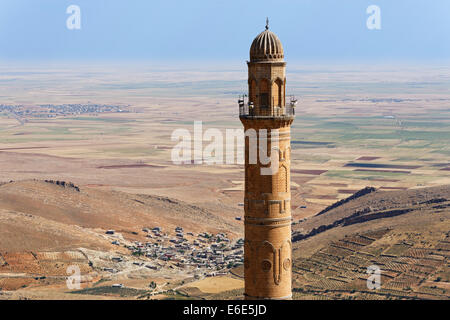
{"x": 209, "y": 30}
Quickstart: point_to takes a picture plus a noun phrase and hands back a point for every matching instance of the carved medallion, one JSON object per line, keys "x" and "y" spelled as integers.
{"x": 266, "y": 265}
{"x": 286, "y": 264}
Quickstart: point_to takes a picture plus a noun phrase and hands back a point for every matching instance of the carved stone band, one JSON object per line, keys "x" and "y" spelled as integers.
{"x": 268, "y": 222}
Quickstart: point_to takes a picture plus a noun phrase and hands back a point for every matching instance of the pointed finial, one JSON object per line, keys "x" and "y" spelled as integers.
{"x": 267, "y": 23}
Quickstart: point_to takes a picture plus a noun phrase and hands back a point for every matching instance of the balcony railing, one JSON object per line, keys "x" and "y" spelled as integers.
{"x": 249, "y": 111}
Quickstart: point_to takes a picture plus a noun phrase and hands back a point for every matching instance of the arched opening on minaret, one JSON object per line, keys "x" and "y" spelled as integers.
{"x": 277, "y": 91}
{"x": 264, "y": 93}
{"x": 252, "y": 93}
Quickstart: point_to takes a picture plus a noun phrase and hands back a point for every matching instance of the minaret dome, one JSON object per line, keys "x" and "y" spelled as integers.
{"x": 266, "y": 47}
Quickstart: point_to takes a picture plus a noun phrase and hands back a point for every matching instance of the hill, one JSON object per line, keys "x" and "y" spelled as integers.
{"x": 36, "y": 213}
{"x": 405, "y": 233}
{"x": 43, "y": 225}
{"x": 47, "y": 226}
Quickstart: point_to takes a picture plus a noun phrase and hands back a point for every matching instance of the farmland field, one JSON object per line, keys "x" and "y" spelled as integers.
{"x": 386, "y": 128}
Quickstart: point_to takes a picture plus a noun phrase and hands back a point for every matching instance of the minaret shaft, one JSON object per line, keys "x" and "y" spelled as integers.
{"x": 267, "y": 203}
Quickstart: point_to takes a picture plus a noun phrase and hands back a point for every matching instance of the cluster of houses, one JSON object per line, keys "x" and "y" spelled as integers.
{"x": 205, "y": 252}
{"x": 51, "y": 110}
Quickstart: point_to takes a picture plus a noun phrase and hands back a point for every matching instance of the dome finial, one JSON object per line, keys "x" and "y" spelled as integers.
{"x": 266, "y": 47}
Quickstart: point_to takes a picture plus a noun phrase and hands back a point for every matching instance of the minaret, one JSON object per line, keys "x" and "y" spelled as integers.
{"x": 267, "y": 203}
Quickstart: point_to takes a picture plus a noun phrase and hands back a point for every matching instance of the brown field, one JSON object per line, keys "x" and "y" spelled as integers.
{"x": 368, "y": 158}
{"x": 213, "y": 285}
{"x": 348, "y": 191}
{"x": 312, "y": 172}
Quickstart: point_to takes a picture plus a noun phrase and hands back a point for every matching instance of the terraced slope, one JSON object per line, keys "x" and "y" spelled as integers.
{"x": 405, "y": 233}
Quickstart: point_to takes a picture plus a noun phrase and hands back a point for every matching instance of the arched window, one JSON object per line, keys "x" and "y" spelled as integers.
{"x": 252, "y": 93}
{"x": 264, "y": 93}
{"x": 277, "y": 91}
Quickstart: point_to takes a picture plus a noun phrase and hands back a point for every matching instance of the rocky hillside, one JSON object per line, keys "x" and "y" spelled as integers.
{"x": 54, "y": 214}
{"x": 406, "y": 234}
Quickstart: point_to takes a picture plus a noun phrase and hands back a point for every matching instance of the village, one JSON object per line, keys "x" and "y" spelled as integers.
{"x": 203, "y": 254}
{"x": 53, "y": 111}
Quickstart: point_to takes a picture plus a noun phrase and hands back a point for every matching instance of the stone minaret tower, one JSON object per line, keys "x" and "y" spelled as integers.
{"x": 268, "y": 248}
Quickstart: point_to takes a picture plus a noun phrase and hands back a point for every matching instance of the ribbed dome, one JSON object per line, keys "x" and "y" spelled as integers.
{"x": 266, "y": 47}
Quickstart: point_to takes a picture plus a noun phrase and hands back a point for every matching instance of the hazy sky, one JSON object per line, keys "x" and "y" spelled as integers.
{"x": 182, "y": 30}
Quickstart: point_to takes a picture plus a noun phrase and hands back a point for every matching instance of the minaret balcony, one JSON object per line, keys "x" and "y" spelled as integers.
{"x": 251, "y": 112}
